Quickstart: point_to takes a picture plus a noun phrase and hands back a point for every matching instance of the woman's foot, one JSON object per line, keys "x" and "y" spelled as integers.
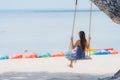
{"x": 70, "y": 65}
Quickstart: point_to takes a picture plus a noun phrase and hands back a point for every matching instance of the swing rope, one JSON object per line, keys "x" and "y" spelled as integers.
{"x": 90, "y": 24}
{"x": 74, "y": 20}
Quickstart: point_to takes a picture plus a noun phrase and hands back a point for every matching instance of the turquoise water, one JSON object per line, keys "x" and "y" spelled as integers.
{"x": 51, "y": 31}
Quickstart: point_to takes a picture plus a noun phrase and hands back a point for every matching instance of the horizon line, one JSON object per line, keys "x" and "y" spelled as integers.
{"x": 47, "y": 10}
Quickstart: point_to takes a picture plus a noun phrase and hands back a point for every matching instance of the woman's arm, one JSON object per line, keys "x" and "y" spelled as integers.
{"x": 72, "y": 43}
{"x": 88, "y": 42}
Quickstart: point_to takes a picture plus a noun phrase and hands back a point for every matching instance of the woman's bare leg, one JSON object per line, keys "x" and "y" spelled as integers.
{"x": 71, "y": 64}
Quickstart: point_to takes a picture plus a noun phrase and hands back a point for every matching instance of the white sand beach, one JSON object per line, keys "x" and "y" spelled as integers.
{"x": 55, "y": 68}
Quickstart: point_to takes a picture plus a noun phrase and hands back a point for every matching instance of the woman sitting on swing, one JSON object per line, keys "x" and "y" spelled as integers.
{"x": 81, "y": 46}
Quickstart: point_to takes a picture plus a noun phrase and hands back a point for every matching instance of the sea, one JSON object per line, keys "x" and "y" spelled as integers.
{"x": 50, "y": 30}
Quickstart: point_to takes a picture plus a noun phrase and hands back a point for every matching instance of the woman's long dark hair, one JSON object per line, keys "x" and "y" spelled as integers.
{"x": 82, "y": 40}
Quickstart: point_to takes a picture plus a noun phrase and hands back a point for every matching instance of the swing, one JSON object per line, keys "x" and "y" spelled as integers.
{"x": 69, "y": 55}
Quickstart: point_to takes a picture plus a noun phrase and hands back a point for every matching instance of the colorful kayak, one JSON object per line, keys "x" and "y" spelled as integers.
{"x": 4, "y": 57}
{"x": 31, "y": 55}
{"x": 16, "y": 56}
{"x": 101, "y": 52}
{"x": 41, "y": 55}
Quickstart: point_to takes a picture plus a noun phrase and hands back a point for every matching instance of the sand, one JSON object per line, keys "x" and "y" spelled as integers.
{"x": 55, "y": 68}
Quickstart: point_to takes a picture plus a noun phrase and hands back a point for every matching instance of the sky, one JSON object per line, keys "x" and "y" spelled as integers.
{"x": 43, "y": 4}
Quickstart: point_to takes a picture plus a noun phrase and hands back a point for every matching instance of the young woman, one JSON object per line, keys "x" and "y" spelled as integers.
{"x": 81, "y": 46}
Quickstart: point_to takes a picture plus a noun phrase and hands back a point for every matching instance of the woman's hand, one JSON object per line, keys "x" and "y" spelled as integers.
{"x": 72, "y": 45}
{"x": 88, "y": 42}
{"x": 89, "y": 38}
{"x": 71, "y": 38}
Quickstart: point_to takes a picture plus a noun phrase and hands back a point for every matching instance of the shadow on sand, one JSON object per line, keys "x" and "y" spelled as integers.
{"x": 47, "y": 76}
